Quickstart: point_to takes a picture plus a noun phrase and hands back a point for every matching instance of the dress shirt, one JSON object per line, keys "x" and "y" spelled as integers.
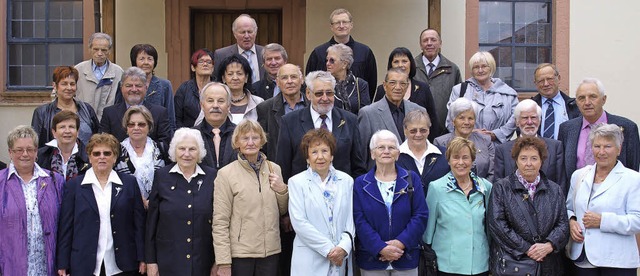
{"x": 105, "y": 252}
{"x": 404, "y": 148}
{"x": 435, "y": 62}
{"x": 298, "y": 105}
{"x": 276, "y": 90}
{"x": 65, "y": 163}
{"x": 397, "y": 113}
{"x": 99, "y": 71}
{"x": 317, "y": 121}
{"x": 584, "y": 139}
{"x": 253, "y": 61}
{"x": 559, "y": 113}
{"x": 176, "y": 169}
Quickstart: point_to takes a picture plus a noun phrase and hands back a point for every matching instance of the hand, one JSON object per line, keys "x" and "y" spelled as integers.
{"x": 591, "y": 220}
{"x": 336, "y": 255}
{"x": 62, "y": 272}
{"x": 390, "y": 253}
{"x": 276, "y": 183}
{"x": 285, "y": 223}
{"x": 214, "y": 270}
{"x": 576, "y": 231}
{"x": 142, "y": 268}
{"x": 538, "y": 251}
{"x": 396, "y": 243}
{"x": 152, "y": 270}
{"x": 487, "y": 132}
{"x": 224, "y": 270}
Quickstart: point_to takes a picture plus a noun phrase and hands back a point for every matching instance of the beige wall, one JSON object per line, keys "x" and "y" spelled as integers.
{"x": 13, "y": 115}
{"x": 605, "y": 46}
{"x": 453, "y": 32}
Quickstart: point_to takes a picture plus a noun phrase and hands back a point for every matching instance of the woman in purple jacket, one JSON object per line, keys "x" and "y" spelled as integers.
{"x": 29, "y": 202}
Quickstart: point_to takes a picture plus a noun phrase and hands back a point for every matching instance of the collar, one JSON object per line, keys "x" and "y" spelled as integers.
{"x": 435, "y": 61}
{"x": 602, "y": 119}
{"x": 223, "y": 128}
{"x": 393, "y": 107}
{"x": 54, "y": 143}
{"x": 301, "y": 100}
{"x": 176, "y": 169}
{"x": 37, "y": 171}
{"x": 252, "y": 49}
{"x": 557, "y": 98}
{"x": 315, "y": 115}
{"x": 102, "y": 68}
{"x": 349, "y": 43}
{"x": 91, "y": 178}
{"x": 431, "y": 149}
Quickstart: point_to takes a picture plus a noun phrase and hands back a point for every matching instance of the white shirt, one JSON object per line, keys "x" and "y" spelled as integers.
{"x": 254, "y": 60}
{"x": 65, "y": 163}
{"x": 176, "y": 169}
{"x": 404, "y": 148}
{"x": 105, "y": 251}
{"x": 435, "y": 62}
{"x": 317, "y": 121}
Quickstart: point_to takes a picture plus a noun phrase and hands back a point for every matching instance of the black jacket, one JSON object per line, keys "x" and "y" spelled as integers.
{"x": 511, "y": 232}
{"x": 227, "y": 153}
{"x": 187, "y": 104}
{"x": 82, "y": 159}
{"x": 42, "y": 116}
{"x": 111, "y": 122}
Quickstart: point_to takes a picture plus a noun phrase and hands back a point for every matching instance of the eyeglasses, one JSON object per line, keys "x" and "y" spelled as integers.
{"x": 103, "y": 153}
{"x": 402, "y": 84}
{"x": 385, "y": 148}
{"x": 21, "y": 151}
{"x": 477, "y": 67}
{"x": 338, "y": 23}
{"x": 246, "y": 139}
{"x": 415, "y": 131}
{"x": 140, "y": 125}
{"x": 319, "y": 94}
{"x": 547, "y": 80}
{"x": 205, "y": 61}
{"x": 332, "y": 60}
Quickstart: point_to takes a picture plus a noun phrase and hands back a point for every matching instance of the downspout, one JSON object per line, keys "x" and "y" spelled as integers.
{"x": 97, "y": 15}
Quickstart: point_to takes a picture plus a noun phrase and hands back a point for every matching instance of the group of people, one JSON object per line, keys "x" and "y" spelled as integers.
{"x": 254, "y": 168}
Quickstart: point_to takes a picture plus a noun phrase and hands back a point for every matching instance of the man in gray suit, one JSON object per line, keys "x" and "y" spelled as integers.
{"x": 387, "y": 113}
{"x": 244, "y": 30}
{"x": 528, "y": 115}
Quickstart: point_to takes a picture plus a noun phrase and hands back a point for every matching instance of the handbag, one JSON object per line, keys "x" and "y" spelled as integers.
{"x": 428, "y": 264}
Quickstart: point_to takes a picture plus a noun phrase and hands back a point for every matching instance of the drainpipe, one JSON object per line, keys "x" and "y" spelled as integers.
{"x": 97, "y": 15}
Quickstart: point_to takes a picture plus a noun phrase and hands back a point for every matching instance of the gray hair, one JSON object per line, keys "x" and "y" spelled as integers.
{"x": 382, "y": 134}
{"x": 595, "y": 81}
{"x": 415, "y": 116}
{"x": 527, "y": 104}
{"x": 322, "y": 76}
{"x": 224, "y": 86}
{"x": 275, "y": 47}
{"x": 104, "y": 36}
{"x": 340, "y": 11}
{"x": 134, "y": 73}
{"x": 180, "y": 135}
{"x": 234, "y": 25}
{"x": 462, "y": 105}
{"x": 344, "y": 53}
{"x": 22, "y": 131}
{"x": 395, "y": 70}
{"x": 608, "y": 131}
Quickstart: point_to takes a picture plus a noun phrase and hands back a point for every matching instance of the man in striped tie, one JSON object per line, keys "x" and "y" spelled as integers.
{"x": 244, "y": 30}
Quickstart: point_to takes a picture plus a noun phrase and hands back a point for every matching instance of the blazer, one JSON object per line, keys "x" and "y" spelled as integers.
{"x": 377, "y": 116}
{"x": 270, "y": 114}
{"x": 98, "y": 93}
{"x": 552, "y": 167}
{"x": 374, "y": 225}
{"x": 112, "y": 122}
{"x": 227, "y": 153}
{"x": 485, "y": 152}
{"x": 222, "y": 53}
{"x": 79, "y": 226}
{"x": 310, "y": 219}
{"x": 569, "y": 133}
{"x": 348, "y": 156}
{"x": 435, "y": 166}
{"x": 168, "y": 239}
{"x": 614, "y": 243}
{"x": 569, "y": 104}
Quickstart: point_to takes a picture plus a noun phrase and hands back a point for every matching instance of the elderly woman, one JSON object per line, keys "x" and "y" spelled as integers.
{"x": 31, "y": 198}
{"x": 187, "y": 98}
{"x": 389, "y": 212}
{"x": 321, "y": 210}
{"x": 604, "y": 209}
{"x": 65, "y": 154}
{"x": 248, "y": 200}
{"x": 528, "y": 193}
{"x": 140, "y": 156}
{"x": 417, "y": 92}
{"x": 464, "y": 112}
{"x": 178, "y": 235}
{"x": 101, "y": 227}
{"x": 495, "y": 99}
{"x": 351, "y": 92}
{"x": 417, "y": 153}
{"x": 64, "y": 87}
{"x": 236, "y": 73}
{"x": 457, "y": 207}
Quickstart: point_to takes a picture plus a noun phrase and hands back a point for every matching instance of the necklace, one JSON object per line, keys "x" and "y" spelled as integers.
{"x": 468, "y": 186}
{"x": 239, "y": 99}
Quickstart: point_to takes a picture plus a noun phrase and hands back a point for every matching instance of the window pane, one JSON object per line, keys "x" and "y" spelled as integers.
{"x": 495, "y": 22}
{"x": 64, "y": 54}
{"x": 532, "y": 23}
{"x": 30, "y": 70}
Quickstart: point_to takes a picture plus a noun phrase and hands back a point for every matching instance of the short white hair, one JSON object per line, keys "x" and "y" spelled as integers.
{"x": 322, "y": 76}
{"x": 382, "y": 134}
{"x": 527, "y": 105}
{"x": 607, "y": 131}
{"x": 180, "y": 135}
{"x": 595, "y": 81}
{"x": 462, "y": 105}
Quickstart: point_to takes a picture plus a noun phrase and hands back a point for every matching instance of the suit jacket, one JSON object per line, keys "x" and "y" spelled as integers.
{"x": 222, "y": 53}
{"x": 614, "y": 243}
{"x": 112, "y": 122}
{"x": 569, "y": 104}
{"x": 270, "y": 114}
{"x": 435, "y": 167}
{"x": 569, "y": 133}
{"x": 377, "y": 116}
{"x": 348, "y": 156}
{"x": 227, "y": 153}
{"x": 552, "y": 167}
{"x": 79, "y": 226}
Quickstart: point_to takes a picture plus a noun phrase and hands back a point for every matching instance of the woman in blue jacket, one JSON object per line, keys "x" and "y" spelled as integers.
{"x": 389, "y": 212}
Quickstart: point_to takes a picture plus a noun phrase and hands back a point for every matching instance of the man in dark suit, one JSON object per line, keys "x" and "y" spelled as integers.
{"x": 574, "y": 133}
{"x": 215, "y": 102}
{"x": 564, "y": 108}
{"x": 270, "y": 112}
{"x": 274, "y": 56}
{"x": 528, "y": 115}
{"x": 244, "y": 30}
{"x": 134, "y": 88}
{"x": 349, "y": 155}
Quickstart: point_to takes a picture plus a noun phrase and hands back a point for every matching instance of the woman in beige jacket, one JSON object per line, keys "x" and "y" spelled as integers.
{"x": 248, "y": 199}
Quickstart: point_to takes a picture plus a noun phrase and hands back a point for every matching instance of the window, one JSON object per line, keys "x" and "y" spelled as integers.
{"x": 518, "y": 35}
{"x": 41, "y": 34}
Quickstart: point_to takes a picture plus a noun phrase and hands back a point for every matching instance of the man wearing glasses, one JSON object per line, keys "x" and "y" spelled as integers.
{"x": 389, "y": 112}
{"x": 364, "y": 62}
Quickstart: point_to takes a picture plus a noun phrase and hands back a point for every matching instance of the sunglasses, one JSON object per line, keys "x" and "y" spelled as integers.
{"x": 140, "y": 125}
{"x": 415, "y": 131}
{"x": 331, "y": 60}
{"x": 320, "y": 93}
{"x": 103, "y": 153}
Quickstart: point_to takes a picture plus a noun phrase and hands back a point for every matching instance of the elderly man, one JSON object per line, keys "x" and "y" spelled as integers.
{"x": 134, "y": 89}
{"x": 364, "y": 62}
{"x": 440, "y": 73}
{"x": 349, "y": 155}
{"x": 244, "y": 30}
{"x": 274, "y": 56}
{"x": 528, "y": 115}
{"x": 216, "y": 128}
{"x": 573, "y": 134}
{"x": 557, "y": 107}
{"x": 389, "y": 112}
{"x": 98, "y": 77}
{"x": 270, "y": 112}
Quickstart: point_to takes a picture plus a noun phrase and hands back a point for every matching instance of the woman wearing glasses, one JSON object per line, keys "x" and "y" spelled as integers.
{"x": 101, "y": 227}
{"x": 187, "y": 98}
{"x": 352, "y": 93}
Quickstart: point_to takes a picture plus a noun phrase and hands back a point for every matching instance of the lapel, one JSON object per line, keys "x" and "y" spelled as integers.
{"x": 401, "y": 184}
{"x": 278, "y": 109}
{"x": 88, "y": 73}
{"x": 116, "y": 193}
{"x": 316, "y": 195}
{"x": 428, "y": 164}
{"x": 613, "y": 178}
{"x": 13, "y": 185}
{"x": 42, "y": 184}
{"x": 306, "y": 122}
{"x": 371, "y": 187}
{"x": 153, "y": 87}
{"x": 385, "y": 116}
{"x": 338, "y": 123}
{"x": 87, "y": 192}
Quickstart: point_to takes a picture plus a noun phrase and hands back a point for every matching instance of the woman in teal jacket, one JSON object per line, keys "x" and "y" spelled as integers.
{"x": 457, "y": 204}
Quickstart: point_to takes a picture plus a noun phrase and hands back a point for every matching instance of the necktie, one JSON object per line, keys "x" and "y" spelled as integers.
{"x": 588, "y": 153}
{"x": 216, "y": 143}
{"x": 323, "y": 125}
{"x": 254, "y": 76}
{"x": 549, "y": 121}
{"x": 431, "y": 67}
